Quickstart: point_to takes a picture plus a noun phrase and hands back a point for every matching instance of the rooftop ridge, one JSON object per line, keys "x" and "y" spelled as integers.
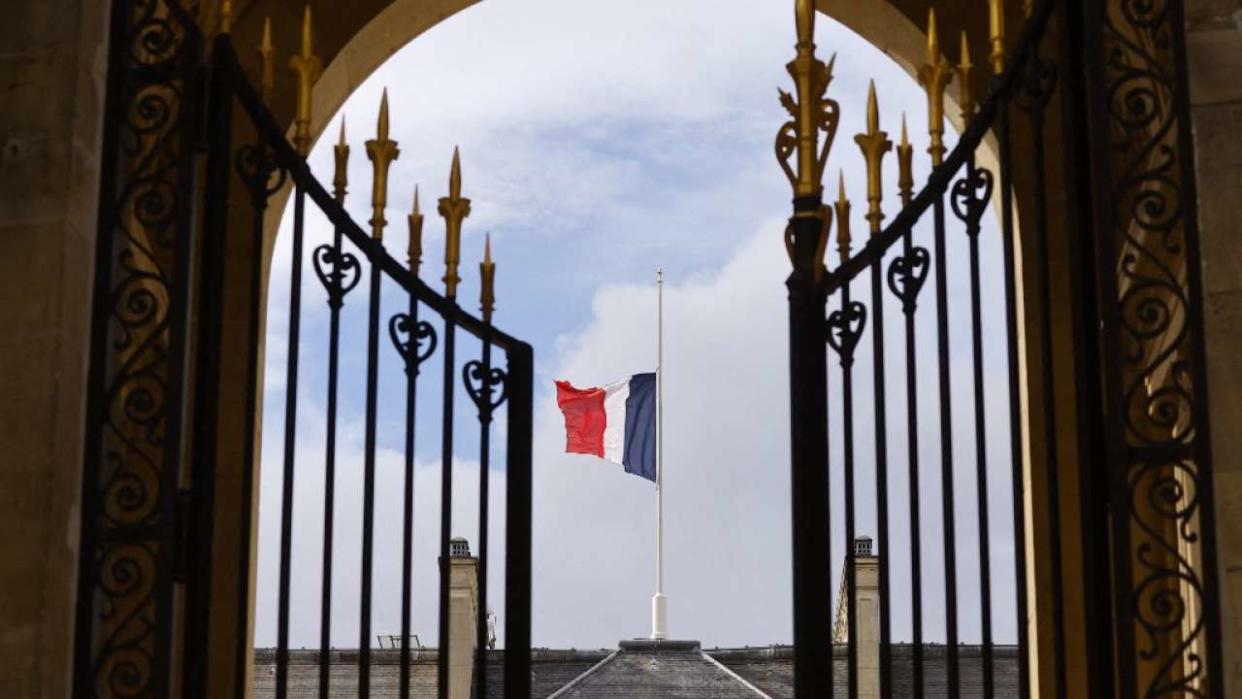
{"x": 577, "y": 680}
{"x": 659, "y": 645}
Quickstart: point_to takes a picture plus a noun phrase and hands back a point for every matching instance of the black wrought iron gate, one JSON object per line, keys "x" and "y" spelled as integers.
{"x": 1081, "y": 143}
{"x": 187, "y": 137}
{"x": 1104, "y": 81}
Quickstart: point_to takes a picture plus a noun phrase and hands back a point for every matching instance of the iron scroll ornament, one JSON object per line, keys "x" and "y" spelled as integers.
{"x": 138, "y": 362}
{"x": 338, "y": 271}
{"x": 1037, "y": 85}
{"x": 1161, "y": 478}
{"x": 907, "y": 274}
{"x": 845, "y": 329}
{"x": 257, "y": 166}
{"x": 970, "y": 197}
{"x": 481, "y": 385}
{"x": 414, "y": 348}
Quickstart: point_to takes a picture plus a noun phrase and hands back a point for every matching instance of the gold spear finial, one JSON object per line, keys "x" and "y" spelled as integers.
{"x": 226, "y": 17}
{"x": 416, "y": 236}
{"x": 487, "y": 270}
{"x": 454, "y": 208}
{"x": 455, "y": 174}
{"x": 874, "y": 144}
{"x": 996, "y": 34}
{"x": 842, "y": 206}
{"x": 381, "y": 152}
{"x": 798, "y": 147}
{"x": 340, "y": 180}
{"x": 934, "y": 76}
{"x": 267, "y": 63}
{"x": 965, "y": 91}
{"x": 1028, "y": 6}
{"x": 905, "y": 169}
{"x": 805, "y": 10}
{"x": 307, "y": 67}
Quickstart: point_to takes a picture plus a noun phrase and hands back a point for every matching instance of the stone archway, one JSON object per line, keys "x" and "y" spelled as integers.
{"x": 52, "y": 149}
{"x": 354, "y": 44}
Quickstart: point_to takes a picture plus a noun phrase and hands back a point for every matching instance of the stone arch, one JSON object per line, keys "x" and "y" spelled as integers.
{"x": 354, "y": 41}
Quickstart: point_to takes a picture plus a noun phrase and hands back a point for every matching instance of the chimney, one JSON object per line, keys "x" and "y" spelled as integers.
{"x": 463, "y": 615}
{"x": 866, "y": 616}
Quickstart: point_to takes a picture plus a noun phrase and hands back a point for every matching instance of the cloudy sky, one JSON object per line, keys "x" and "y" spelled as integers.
{"x": 599, "y": 141}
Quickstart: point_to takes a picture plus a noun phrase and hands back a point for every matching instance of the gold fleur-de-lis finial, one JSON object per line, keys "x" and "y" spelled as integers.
{"x": 996, "y": 34}
{"x": 307, "y": 67}
{"x": 454, "y": 208}
{"x": 934, "y": 76}
{"x": 487, "y": 271}
{"x": 965, "y": 91}
{"x": 381, "y": 151}
{"x": 905, "y": 168}
{"x": 842, "y": 206}
{"x": 226, "y": 17}
{"x": 415, "y": 254}
{"x": 874, "y": 144}
{"x": 267, "y": 62}
{"x": 340, "y": 178}
{"x": 810, "y": 112}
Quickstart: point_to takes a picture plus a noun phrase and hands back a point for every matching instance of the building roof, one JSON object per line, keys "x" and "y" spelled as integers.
{"x": 640, "y": 669}
{"x": 664, "y": 669}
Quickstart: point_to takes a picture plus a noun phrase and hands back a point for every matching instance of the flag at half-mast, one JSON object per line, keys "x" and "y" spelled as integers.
{"x": 616, "y": 422}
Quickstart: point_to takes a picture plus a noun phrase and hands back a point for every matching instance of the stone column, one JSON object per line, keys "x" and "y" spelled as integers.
{"x": 52, "y": 68}
{"x": 1214, "y": 45}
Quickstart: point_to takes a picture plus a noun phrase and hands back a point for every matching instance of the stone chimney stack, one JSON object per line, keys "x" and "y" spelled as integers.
{"x": 866, "y": 616}
{"x": 463, "y": 615}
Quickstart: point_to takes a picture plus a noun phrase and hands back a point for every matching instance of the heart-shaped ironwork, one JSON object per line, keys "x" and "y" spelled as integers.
{"x": 845, "y": 328}
{"x": 970, "y": 197}
{"x": 907, "y": 274}
{"x": 337, "y": 270}
{"x": 1035, "y": 86}
{"x": 481, "y": 384}
{"x": 423, "y": 345}
{"x": 256, "y": 163}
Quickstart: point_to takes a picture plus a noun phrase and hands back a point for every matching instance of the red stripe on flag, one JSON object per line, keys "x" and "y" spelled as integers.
{"x": 584, "y": 418}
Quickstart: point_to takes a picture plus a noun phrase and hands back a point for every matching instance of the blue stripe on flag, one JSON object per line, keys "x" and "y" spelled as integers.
{"x": 639, "y": 455}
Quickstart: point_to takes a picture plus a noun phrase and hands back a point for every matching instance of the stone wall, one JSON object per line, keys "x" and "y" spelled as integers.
{"x": 52, "y": 69}
{"x": 1214, "y": 43}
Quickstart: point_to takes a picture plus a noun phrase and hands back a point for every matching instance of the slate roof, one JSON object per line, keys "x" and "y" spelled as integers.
{"x": 665, "y": 669}
{"x": 641, "y": 670}
{"x": 553, "y": 669}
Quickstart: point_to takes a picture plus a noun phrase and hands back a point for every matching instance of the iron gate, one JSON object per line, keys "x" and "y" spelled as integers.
{"x": 1125, "y": 219}
{"x": 1116, "y": 70}
{"x": 147, "y": 551}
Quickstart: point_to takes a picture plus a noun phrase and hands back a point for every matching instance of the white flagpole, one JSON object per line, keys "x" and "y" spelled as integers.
{"x": 659, "y": 604}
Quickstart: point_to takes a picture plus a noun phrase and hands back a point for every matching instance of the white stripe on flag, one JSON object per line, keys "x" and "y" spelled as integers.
{"x": 615, "y": 396}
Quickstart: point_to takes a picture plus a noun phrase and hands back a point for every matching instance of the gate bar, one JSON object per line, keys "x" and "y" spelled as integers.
{"x": 207, "y": 401}
{"x": 518, "y": 510}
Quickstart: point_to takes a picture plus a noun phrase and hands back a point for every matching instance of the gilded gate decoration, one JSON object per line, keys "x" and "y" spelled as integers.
{"x": 1117, "y": 71}
{"x": 153, "y": 425}
{"x": 1130, "y": 234}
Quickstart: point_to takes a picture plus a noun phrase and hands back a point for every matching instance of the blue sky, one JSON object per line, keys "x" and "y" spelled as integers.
{"x": 599, "y": 141}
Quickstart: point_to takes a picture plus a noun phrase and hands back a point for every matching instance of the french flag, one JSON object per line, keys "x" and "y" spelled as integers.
{"x": 616, "y": 422}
